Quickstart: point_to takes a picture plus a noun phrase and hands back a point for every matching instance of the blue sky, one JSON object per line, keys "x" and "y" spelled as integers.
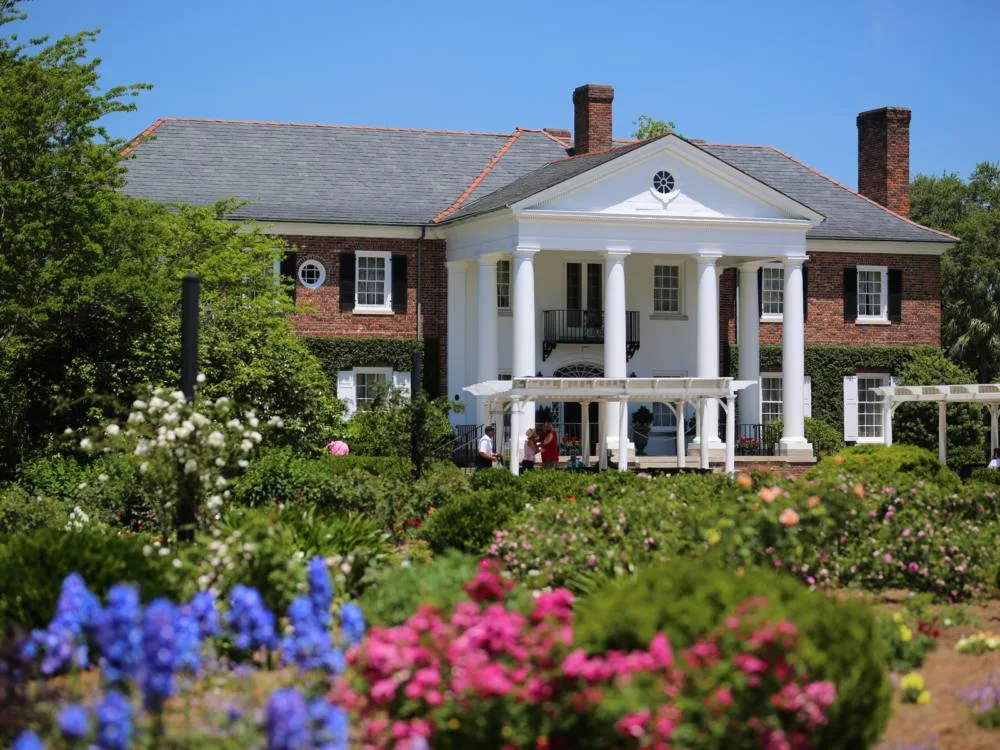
{"x": 789, "y": 74}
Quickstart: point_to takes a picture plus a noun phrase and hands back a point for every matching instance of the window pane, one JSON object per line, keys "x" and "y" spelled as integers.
{"x": 770, "y": 399}
{"x": 368, "y": 384}
{"x": 870, "y": 294}
{"x": 663, "y": 416}
{"x": 503, "y": 284}
{"x": 772, "y": 291}
{"x": 870, "y": 405}
{"x": 371, "y": 280}
{"x": 666, "y": 289}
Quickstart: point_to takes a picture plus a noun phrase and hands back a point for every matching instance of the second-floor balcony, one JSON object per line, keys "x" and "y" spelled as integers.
{"x": 585, "y": 327}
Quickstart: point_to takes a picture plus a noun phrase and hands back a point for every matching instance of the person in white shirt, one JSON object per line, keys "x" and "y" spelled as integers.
{"x": 995, "y": 463}
{"x": 486, "y": 456}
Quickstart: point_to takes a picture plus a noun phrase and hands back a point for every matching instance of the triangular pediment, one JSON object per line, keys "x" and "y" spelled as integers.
{"x": 672, "y": 178}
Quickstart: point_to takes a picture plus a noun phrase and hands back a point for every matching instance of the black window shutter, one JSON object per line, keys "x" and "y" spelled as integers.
{"x": 399, "y": 283}
{"x": 760, "y": 292}
{"x": 850, "y": 295}
{"x": 347, "y": 261}
{"x": 895, "y": 294}
{"x": 805, "y": 293}
{"x": 288, "y": 270}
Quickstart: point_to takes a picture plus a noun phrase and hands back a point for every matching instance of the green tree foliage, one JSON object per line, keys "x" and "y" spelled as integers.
{"x": 970, "y": 273}
{"x": 646, "y": 127}
{"x": 90, "y": 278}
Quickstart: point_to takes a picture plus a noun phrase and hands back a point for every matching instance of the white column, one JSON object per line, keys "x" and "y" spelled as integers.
{"x": 585, "y": 433}
{"x": 456, "y": 338}
{"x": 681, "y": 448}
{"x": 523, "y": 366}
{"x": 887, "y": 409}
{"x": 615, "y": 317}
{"x": 602, "y": 445}
{"x": 515, "y": 428}
{"x": 703, "y": 406}
{"x": 486, "y": 340}
{"x": 707, "y": 360}
{"x": 749, "y": 344}
{"x": 793, "y": 359}
{"x": 942, "y": 432}
{"x": 993, "y": 428}
{"x": 730, "y": 435}
{"x": 623, "y": 435}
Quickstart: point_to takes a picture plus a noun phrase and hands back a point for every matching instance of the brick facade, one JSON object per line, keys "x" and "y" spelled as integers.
{"x": 884, "y": 157}
{"x": 920, "y": 321}
{"x": 592, "y": 118}
{"x": 326, "y": 317}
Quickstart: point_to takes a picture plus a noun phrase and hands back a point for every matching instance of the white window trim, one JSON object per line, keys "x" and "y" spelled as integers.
{"x": 772, "y": 317}
{"x": 760, "y": 393}
{"x": 309, "y": 262}
{"x": 882, "y": 318}
{"x": 387, "y": 306}
{"x": 384, "y": 371}
{"x": 887, "y": 380}
{"x": 659, "y": 314}
{"x": 510, "y": 286}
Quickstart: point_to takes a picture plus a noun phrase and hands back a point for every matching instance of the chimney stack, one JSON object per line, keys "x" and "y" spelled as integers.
{"x": 884, "y": 157}
{"x": 592, "y": 118}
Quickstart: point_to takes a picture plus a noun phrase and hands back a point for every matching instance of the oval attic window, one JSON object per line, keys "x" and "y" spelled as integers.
{"x": 663, "y": 182}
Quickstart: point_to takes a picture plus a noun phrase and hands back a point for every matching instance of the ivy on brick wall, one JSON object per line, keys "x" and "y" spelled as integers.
{"x": 345, "y": 353}
{"x": 827, "y": 365}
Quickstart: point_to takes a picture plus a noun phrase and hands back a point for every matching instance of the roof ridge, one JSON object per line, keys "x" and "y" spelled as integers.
{"x": 333, "y": 125}
{"x": 841, "y": 185}
{"x": 480, "y": 177}
{"x": 592, "y": 153}
{"x": 560, "y": 141}
{"x": 132, "y": 144}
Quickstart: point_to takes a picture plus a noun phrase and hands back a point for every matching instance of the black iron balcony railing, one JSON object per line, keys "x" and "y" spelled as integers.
{"x": 585, "y": 327}
{"x": 754, "y": 440}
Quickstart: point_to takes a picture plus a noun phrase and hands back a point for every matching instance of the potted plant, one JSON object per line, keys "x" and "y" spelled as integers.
{"x": 641, "y": 421}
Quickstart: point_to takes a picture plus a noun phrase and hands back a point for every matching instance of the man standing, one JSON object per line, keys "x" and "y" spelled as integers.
{"x": 486, "y": 456}
{"x": 550, "y": 446}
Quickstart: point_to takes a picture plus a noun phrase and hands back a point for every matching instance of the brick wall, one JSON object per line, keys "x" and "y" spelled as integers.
{"x": 592, "y": 118}
{"x": 920, "y": 321}
{"x": 326, "y": 317}
{"x": 884, "y": 157}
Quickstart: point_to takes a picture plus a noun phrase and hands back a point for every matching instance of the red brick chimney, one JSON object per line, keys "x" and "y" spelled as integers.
{"x": 592, "y": 118}
{"x": 884, "y": 157}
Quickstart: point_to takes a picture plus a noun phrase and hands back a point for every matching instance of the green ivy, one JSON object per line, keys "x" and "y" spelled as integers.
{"x": 345, "y": 353}
{"x": 827, "y": 366}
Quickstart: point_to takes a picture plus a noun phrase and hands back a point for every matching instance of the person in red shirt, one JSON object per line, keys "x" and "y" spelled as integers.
{"x": 550, "y": 446}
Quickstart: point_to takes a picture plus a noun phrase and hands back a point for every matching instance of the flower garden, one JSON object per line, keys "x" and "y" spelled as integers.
{"x": 183, "y": 577}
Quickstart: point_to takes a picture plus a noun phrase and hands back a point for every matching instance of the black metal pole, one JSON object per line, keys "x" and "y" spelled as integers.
{"x": 416, "y": 372}
{"x": 189, "y": 334}
{"x": 418, "y": 417}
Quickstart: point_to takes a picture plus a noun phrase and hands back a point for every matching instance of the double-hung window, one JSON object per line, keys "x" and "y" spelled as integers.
{"x": 503, "y": 285}
{"x": 667, "y": 290}
{"x": 369, "y": 384}
{"x": 870, "y": 407}
{"x": 373, "y": 281}
{"x": 772, "y": 291}
{"x": 771, "y": 398}
{"x": 873, "y": 293}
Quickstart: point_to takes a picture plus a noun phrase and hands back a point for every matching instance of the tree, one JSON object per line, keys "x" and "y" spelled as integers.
{"x": 90, "y": 278}
{"x": 970, "y": 273}
{"x": 646, "y": 127}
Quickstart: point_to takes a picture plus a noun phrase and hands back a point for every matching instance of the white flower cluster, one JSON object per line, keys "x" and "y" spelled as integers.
{"x": 78, "y": 519}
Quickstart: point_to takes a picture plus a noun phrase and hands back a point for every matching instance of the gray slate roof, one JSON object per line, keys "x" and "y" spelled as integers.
{"x": 362, "y": 175}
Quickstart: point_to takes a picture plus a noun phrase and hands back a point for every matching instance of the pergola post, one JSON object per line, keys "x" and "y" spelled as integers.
{"x": 730, "y": 435}
{"x": 942, "y": 432}
{"x": 703, "y": 443}
{"x": 681, "y": 448}
{"x": 585, "y": 432}
{"x": 623, "y": 435}
{"x": 602, "y": 445}
{"x": 994, "y": 437}
{"x": 887, "y": 410}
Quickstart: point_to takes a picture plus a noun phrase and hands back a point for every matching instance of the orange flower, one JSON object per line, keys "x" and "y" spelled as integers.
{"x": 839, "y": 460}
{"x": 571, "y": 498}
{"x": 788, "y": 517}
{"x": 813, "y": 501}
{"x": 767, "y": 494}
{"x": 744, "y": 481}
{"x": 859, "y": 491}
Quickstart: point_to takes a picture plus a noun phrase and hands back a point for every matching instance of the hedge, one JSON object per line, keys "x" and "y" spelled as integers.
{"x": 337, "y": 354}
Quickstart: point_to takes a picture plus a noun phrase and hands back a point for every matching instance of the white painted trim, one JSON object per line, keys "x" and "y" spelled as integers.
{"x": 546, "y": 214}
{"x": 386, "y": 307}
{"x": 883, "y": 317}
{"x": 384, "y": 371}
{"x": 321, "y": 229}
{"x": 663, "y": 314}
{"x": 771, "y": 317}
{"x": 874, "y": 247}
{"x": 322, "y": 273}
{"x": 681, "y": 149}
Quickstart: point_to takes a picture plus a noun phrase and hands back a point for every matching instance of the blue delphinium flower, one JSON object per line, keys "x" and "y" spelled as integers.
{"x": 63, "y": 644}
{"x": 160, "y": 654}
{"x": 250, "y": 622}
{"x": 114, "y": 722}
{"x": 309, "y": 645}
{"x": 74, "y": 722}
{"x": 320, "y": 591}
{"x": 28, "y": 740}
{"x": 288, "y": 722}
{"x": 188, "y": 641}
{"x": 119, "y": 634}
{"x": 206, "y": 613}
{"x": 352, "y": 623}
{"x": 329, "y": 725}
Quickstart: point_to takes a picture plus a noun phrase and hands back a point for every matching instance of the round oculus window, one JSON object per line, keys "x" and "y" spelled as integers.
{"x": 312, "y": 274}
{"x": 663, "y": 182}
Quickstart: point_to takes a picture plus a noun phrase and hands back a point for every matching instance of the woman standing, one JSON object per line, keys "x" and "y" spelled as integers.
{"x": 530, "y": 450}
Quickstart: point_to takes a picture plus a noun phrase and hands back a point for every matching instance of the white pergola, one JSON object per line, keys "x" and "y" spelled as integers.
{"x": 520, "y": 395}
{"x": 987, "y": 394}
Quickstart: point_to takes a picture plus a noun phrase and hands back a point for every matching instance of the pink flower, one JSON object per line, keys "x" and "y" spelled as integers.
{"x": 912, "y": 567}
{"x": 634, "y": 725}
{"x": 906, "y": 532}
{"x": 338, "y": 448}
{"x": 822, "y": 693}
{"x": 768, "y": 494}
{"x": 887, "y": 558}
{"x": 591, "y": 489}
{"x": 811, "y": 581}
{"x": 661, "y": 652}
{"x": 750, "y": 664}
{"x": 788, "y": 517}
